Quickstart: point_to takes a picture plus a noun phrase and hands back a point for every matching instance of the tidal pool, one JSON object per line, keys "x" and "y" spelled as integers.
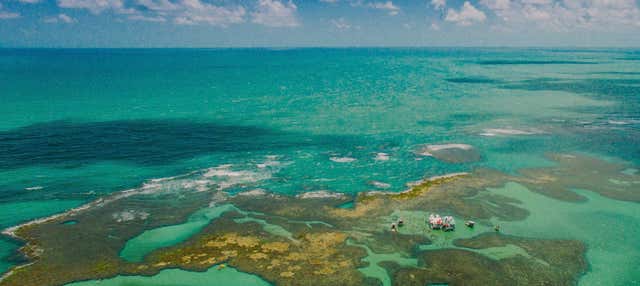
{"x": 610, "y": 228}
{"x": 175, "y": 277}
{"x": 137, "y": 248}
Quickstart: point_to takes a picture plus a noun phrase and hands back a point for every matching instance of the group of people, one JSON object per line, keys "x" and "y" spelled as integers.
{"x": 395, "y": 225}
{"x": 446, "y": 223}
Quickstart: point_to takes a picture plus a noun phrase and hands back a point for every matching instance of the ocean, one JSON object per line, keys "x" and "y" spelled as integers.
{"x": 80, "y": 124}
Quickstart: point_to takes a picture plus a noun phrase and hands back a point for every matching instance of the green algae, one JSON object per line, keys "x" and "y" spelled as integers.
{"x": 374, "y": 270}
{"x": 291, "y": 241}
{"x": 137, "y": 248}
{"x": 496, "y": 259}
{"x": 576, "y": 171}
{"x": 507, "y": 251}
{"x": 591, "y": 222}
{"x": 268, "y": 227}
{"x": 172, "y": 277}
{"x": 347, "y": 205}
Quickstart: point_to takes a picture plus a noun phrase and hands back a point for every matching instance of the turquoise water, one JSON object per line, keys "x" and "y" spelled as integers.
{"x": 175, "y": 277}
{"x": 78, "y": 124}
{"x": 609, "y": 227}
{"x": 12, "y": 213}
{"x": 141, "y": 245}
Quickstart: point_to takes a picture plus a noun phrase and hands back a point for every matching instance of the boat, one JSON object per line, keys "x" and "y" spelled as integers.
{"x": 449, "y": 224}
{"x": 435, "y": 221}
{"x": 446, "y": 223}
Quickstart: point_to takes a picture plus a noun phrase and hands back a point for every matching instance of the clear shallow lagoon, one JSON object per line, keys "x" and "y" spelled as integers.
{"x": 79, "y": 124}
{"x": 173, "y": 277}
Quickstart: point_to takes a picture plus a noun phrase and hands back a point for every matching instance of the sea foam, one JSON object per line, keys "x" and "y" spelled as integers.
{"x": 381, "y": 157}
{"x": 320, "y": 195}
{"x": 342, "y": 159}
{"x": 507, "y": 132}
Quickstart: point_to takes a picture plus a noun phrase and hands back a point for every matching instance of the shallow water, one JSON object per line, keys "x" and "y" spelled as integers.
{"x": 609, "y": 228}
{"x": 141, "y": 245}
{"x": 175, "y": 277}
{"x": 13, "y": 213}
{"x": 79, "y": 124}
{"x": 375, "y": 271}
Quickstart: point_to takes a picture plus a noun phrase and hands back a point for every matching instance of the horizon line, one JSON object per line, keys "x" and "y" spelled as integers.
{"x": 311, "y": 47}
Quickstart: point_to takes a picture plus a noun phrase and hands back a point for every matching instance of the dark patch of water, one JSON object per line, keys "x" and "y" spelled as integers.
{"x": 147, "y": 142}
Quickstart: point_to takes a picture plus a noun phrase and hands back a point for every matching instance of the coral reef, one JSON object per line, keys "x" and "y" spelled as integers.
{"x": 312, "y": 240}
{"x": 551, "y": 262}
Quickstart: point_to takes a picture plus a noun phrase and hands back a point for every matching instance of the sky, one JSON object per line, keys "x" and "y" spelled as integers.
{"x": 319, "y": 23}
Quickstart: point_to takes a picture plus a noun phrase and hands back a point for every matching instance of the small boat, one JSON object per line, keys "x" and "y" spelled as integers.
{"x": 449, "y": 224}
{"x": 446, "y": 223}
{"x": 470, "y": 223}
{"x": 435, "y": 221}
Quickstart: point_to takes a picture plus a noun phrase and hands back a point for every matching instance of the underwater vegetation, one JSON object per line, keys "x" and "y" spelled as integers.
{"x": 310, "y": 239}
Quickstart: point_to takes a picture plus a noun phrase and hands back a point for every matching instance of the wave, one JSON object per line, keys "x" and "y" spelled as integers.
{"x": 253, "y": 193}
{"x": 619, "y": 122}
{"x": 428, "y": 150}
{"x": 342, "y": 159}
{"x": 381, "y": 157}
{"x": 508, "y": 131}
{"x": 320, "y": 195}
{"x": 380, "y": 185}
{"x": 215, "y": 179}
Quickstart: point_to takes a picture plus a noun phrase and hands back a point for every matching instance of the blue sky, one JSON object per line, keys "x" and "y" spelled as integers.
{"x": 266, "y": 23}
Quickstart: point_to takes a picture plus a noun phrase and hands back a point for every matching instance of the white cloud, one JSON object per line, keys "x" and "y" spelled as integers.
{"x": 195, "y": 12}
{"x": 439, "y": 4}
{"x": 467, "y": 15}
{"x": 566, "y": 15}
{"x": 94, "y": 6}
{"x": 497, "y": 4}
{"x": 386, "y": 6}
{"x": 340, "y": 24}
{"x": 30, "y": 1}
{"x": 188, "y": 12}
{"x": 434, "y": 26}
{"x": 158, "y": 5}
{"x": 329, "y": 1}
{"x": 8, "y": 15}
{"x": 273, "y": 13}
{"x": 5, "y": 15}
{"x": 156, "y": 19}
{"x": 60, "y": 18}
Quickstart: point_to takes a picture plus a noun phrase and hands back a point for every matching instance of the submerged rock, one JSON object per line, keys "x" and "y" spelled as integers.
{"x": 549, "y": 262}
{"x": 304, "y": 240}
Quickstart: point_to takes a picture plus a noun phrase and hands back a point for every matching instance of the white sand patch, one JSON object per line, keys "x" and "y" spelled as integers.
{"x": 428, "y": 149}
{"x": 320, "y": 195}
{"x": 253, "y": 193}
{"x": 130, "y": 215}
{"x": 381, "y": 157}
{"x": 380, "y": 185}
{"x": 342, "y": 159}
{"x": 508, "y": 132}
